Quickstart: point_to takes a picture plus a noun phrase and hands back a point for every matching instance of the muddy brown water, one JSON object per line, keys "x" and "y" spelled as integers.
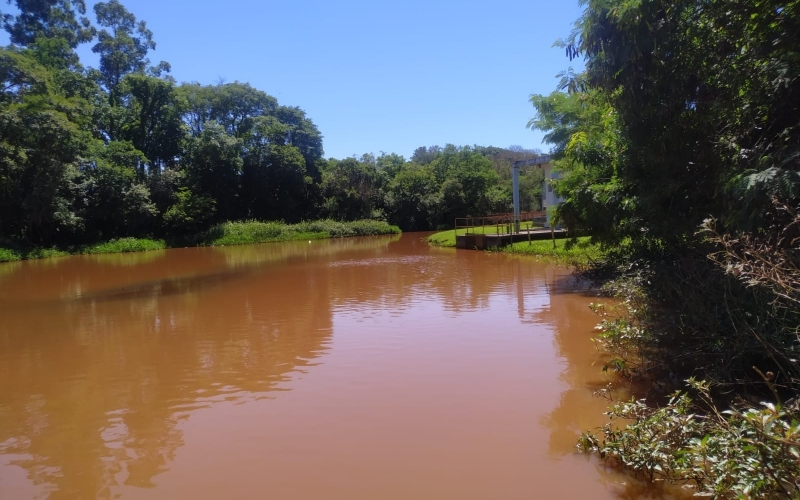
{"x": 364, "y": 368}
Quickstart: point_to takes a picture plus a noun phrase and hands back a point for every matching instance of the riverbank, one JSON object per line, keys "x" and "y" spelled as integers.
{"x": 579, "y": 251}
{"x": 227, "y": 233}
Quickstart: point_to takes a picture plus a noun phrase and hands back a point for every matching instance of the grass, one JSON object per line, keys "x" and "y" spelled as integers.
{"x": 566, "y": 251}
{"x": 16, "y": 253}
{"x": 124, "y": 245}
{"x": 227, "y": 233}
{"x": 241, "y": 233}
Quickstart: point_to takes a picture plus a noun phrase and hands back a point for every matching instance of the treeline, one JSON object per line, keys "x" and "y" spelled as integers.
{"x": 91, "y": 154}
{"x": 680, "y": 151}
{"x": 684, "y": 156}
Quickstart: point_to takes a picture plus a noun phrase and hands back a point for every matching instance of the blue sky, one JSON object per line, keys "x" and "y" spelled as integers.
{"x": 375, "y": 76}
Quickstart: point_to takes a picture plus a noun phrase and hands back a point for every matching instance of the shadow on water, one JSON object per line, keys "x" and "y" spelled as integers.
{"x": 165, "y": 287}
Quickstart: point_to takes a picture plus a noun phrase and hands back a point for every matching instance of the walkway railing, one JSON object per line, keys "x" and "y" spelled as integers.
{"x": 498, "y": 224}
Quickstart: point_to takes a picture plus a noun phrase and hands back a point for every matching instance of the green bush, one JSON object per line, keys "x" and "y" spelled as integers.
{"x": 8, "y": 255}
{"x": 744, "y": 452}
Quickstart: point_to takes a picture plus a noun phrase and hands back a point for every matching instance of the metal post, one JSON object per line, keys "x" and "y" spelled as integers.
{"x": 515, "y": 184}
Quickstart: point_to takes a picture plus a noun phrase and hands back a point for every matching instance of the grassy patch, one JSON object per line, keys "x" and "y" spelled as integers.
{"x": 15, "y": 254}
{"x": 124, "y": 245}
{"x": 45, "y": 253}
{"x": 240, "y": 233}
{"x": 568, "y": 251}
{"x": 443, "y": 239}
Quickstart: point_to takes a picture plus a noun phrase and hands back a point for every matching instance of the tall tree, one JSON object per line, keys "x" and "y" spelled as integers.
{"x": 707, "y": 95}
{"x": 117, "y": 202}
{"x": 304, "y": 135}
{"x": 583, "y": 131}
{"x": 214, "y": 166}
{"x": 274, "y": 180}
{"x": 235, "y": 106}
{"x": 151, "y": 118}
{"x": 41, "y": 143}
{"x": 48, "y": 19}
{"x": 124, "y": 48}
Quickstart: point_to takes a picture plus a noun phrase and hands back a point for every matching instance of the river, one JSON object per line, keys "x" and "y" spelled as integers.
{"x": 362, "y": 368}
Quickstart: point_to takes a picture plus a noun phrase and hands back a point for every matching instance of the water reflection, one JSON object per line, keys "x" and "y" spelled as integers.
{"x": 109, "y": 365}
{"x": 93, "y": 388}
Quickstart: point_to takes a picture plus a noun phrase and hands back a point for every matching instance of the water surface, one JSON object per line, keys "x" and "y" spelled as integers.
{"x": 374, "y": 368}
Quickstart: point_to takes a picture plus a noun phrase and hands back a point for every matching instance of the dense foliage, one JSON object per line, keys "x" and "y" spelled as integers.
{"x": 680, "y": 151}
{"x": 123, "y": 150}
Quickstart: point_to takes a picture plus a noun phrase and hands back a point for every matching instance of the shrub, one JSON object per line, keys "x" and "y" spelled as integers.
{"x": 743, "y": 452}
{"x": 124, "y": 245}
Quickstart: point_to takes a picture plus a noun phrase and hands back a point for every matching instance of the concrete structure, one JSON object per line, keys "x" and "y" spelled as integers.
{"x": 489, "y": 241}
{"x": 549, "y": 198}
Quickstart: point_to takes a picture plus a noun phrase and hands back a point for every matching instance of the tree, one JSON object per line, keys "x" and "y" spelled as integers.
{"x": 235, "y": 106}
{"x": 214, "y": 167}
{"x": 464, "y": 177}
{"x": 123, "y": 50}
{"x": 582, "y": 129}
{"x": 424, "y": 155}
{"x": 151, "y": 118}
{"x": 706, "y": 96}
{"x": 274, "y": 177}
{"x": 412, "y": 199}
{"x": 117, "y": 203}
{"x": 56, "y": 19}
{"x": 191, "y": 212}
{"x": 41, "y": 142}
{"x": 304, "y": 135}
{"x": 200, "y": 103}
{"x": 351, "y": 189}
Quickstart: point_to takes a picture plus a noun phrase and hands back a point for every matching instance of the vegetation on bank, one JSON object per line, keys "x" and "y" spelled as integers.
{"x": 228, "y": 233}
{"x": 16, "y": 252}
{"x": 239, "y": 233}
{"x": 576, "y": 252}
{"x": 682, "y": 158}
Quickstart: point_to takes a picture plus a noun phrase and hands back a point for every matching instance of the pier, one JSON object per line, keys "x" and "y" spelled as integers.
{"x": 485, "y": 233}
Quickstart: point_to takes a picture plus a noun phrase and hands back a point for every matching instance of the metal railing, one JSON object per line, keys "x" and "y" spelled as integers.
{"x": 498, "y": 224}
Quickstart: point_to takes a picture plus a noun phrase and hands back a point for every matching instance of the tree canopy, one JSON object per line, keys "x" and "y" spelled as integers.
{"x": 123, "y": 149}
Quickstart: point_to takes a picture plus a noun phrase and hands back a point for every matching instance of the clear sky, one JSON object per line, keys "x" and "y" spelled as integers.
{"x": 375, "y": 75}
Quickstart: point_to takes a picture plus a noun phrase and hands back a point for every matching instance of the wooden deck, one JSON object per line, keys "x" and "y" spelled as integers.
{"x": 474, "y": 241}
